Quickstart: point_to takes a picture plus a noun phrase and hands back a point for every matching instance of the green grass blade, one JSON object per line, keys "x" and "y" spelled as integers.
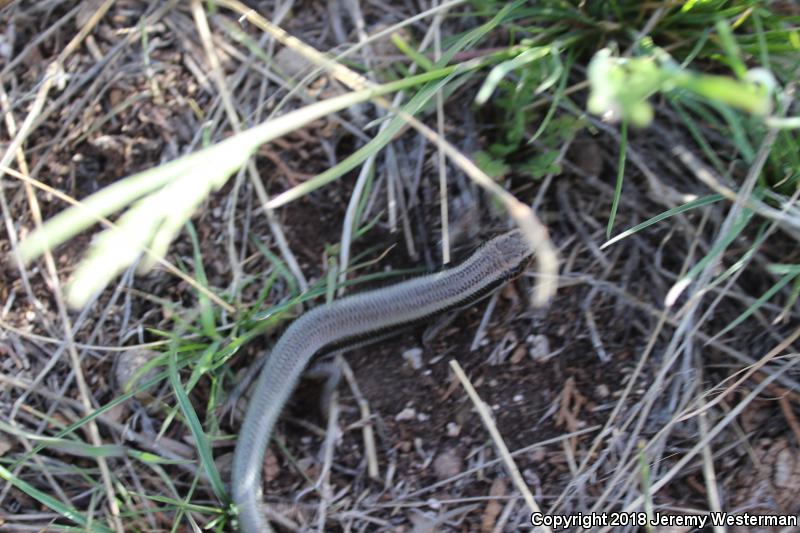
{"x": 699, "y": 202}
{"x": 623, "y": 145}
{"x": 207, "y": 318}
{"x": 557, "y": 96}
{"x": 72, "y": 447}
{"x": 737, "y": 227}
{"x": 45, "y": 499}
{"x": 736, "y": 130}
{"x": 196, "y": 428}
{"x": 500, "y": 71}
{"x": 731, "y": 48}
{"x": 757, "y": 304}
{"x": 678, "y": 104}
{"x": 423, "y": 62}
{"x": 91, "y": 416}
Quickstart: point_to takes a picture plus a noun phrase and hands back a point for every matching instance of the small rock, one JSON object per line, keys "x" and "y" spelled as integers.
{"x": 447, "y": 464}
{"x": 409, "y": 413}
{"x": 292, "y": 63}
{"x": 128, "y": 374}
{"x": 413, "y": 357}
{"x": 518, "y": 354}
{"x": 538, "y": 455}
{"x": 539, "y": 348}
{"x": 602, "y": 391}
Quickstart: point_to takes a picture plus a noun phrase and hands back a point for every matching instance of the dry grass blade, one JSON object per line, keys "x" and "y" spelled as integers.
{"x": 502, "y": 449}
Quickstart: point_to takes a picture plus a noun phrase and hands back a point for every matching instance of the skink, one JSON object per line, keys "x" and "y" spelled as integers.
{"x": 353, "y": 318}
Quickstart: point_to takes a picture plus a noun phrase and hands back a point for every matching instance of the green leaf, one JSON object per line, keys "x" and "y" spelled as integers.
{"x": 495, "y": 168}
{"x": 541, "y": 165}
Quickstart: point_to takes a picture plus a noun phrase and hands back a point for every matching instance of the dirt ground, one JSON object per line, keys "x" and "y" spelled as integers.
{"x": 600, "y": 396}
